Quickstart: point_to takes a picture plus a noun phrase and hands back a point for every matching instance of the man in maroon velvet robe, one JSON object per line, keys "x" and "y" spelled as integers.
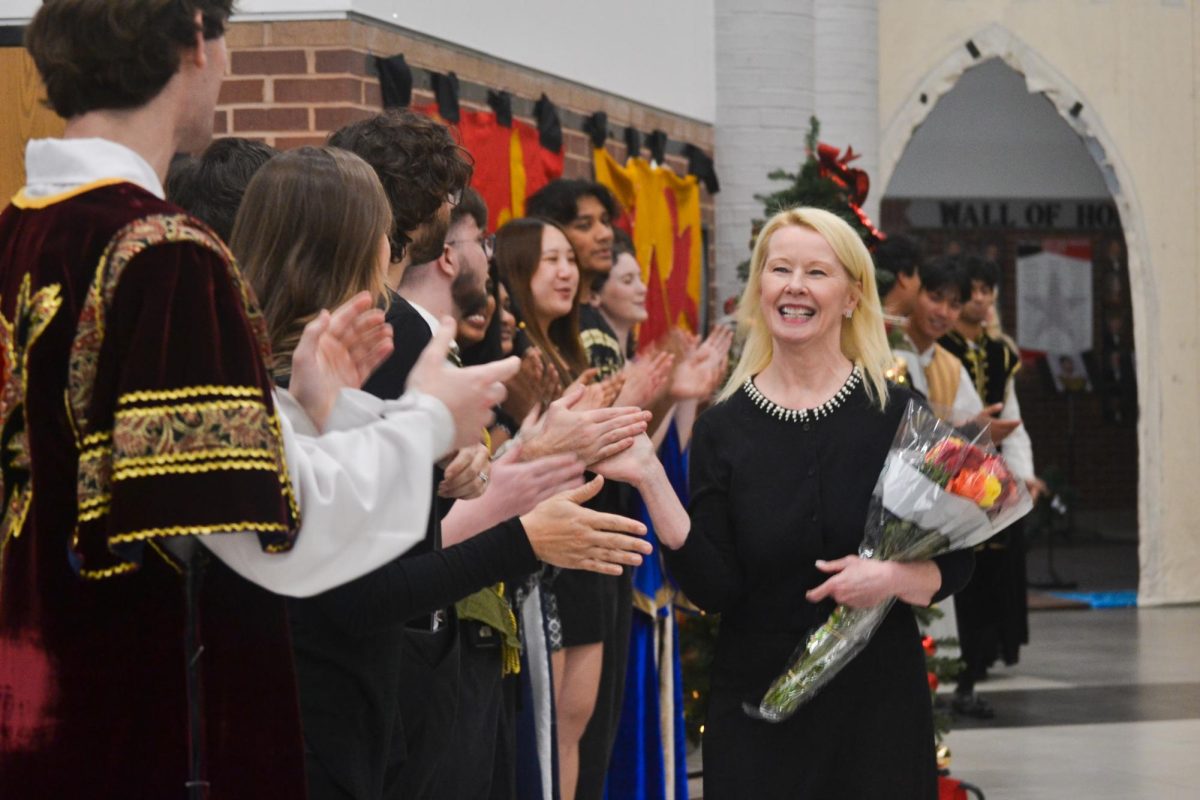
{"x": 136, "y": 414}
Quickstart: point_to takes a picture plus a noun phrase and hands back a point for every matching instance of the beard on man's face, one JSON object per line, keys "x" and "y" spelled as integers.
{"x": 428, "y": 240}
{"x": 470, "y": 295}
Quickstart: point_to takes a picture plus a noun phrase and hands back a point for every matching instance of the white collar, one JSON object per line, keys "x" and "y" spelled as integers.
{"x": 925, "y": 357}
{"x": 430, "y": 319}
{"x": 54, "y": 166}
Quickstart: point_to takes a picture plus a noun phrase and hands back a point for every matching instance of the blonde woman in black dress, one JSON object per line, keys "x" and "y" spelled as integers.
{"x": 782, "y": 469}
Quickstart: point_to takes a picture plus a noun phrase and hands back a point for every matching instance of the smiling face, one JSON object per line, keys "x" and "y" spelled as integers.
{"x": 804, "y": 291}
{"x": 934, "y": 314}
{"x": 555, "y": 282}
{"x": 592, "y": 235}
{"x": 623, "y": 297}
{"x": 508, "y": 322}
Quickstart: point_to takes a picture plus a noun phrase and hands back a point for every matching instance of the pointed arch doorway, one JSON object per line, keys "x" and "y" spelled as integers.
{"x": 995, "y": 152}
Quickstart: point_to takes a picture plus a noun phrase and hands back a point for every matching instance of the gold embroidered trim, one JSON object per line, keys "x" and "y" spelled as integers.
{"x": 285, "y": 478}
{"x": 197, "y": 530}
{"x": 93, "y": 453}
{"x": 195, "y": 408}
{"x": 98, "y": 574}
{"x": 96, "y": 513}
{"x": 239, "y": 430}
{"x": 92, "y": 502}
{"x": 24, "y": 201}
{"x": 189, "y": 392}
{"x": 33, "y": 311}
{"x": 190, "y": 469}
{"x": 96, "y": 438}
{"x": 227, "y": 453}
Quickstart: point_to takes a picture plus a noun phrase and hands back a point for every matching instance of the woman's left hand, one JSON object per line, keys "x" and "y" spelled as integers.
{"x": 855, "y": 582}
{"x": 466, "y": 476}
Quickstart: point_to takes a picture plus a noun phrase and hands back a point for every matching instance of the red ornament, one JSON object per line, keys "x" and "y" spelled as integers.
{"x": 933, "y": 681}
{"x": 929, "y": 645}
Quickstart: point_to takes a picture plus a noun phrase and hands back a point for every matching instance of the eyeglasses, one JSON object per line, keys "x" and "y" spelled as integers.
{"x": 488, "y": 243}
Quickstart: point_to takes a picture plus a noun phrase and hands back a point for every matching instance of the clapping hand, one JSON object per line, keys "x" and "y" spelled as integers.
{"x": 466, "y": 476}
{"x": 534, "y": 386}
{"x": 701, "y": 367}
{"x": 646, "y": 378}
{"x": 592, "y": 435}
{"x": 338, "y": 351}
{"x": 469, "y": 393}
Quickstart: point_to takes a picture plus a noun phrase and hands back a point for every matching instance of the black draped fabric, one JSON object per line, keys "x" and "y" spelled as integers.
{"x": 596, "y": 127}
{"x": 768, "y": 498}
{"x": 549, "y": 127}
{"x": 395, "y": 81}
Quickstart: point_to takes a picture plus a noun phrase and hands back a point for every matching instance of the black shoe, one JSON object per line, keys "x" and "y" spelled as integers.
{"x": 972, "y": 705}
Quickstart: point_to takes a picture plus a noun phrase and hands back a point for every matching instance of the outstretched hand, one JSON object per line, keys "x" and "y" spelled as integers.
{"x": 999, "y": 429}
{"x": 564, "y": 533}
{"x": 338, "y": 351}
{"x": 592, "y": 435}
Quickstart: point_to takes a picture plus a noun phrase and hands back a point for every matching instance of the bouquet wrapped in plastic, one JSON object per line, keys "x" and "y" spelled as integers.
{"x": 940, "y": 490}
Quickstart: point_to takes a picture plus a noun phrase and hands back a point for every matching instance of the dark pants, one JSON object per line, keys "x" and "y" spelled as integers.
{"x": 479, "y": 764}
{"x": 991, "y": 610}
{"x": 595, "y": 748}
{"x": 429, "y": 690}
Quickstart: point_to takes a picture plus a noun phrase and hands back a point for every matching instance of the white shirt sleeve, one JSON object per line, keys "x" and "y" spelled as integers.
{"x": 967, "y": 405}
{"x": 364, "y": 490}
{"x": 1016, "y": 448}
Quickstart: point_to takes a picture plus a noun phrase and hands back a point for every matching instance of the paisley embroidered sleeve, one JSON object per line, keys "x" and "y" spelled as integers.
{"x": 170, "y": 399}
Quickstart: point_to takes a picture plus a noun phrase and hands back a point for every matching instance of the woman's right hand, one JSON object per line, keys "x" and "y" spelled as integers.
{"x": 592, "y": 435}
{"x": 631, "y": 464}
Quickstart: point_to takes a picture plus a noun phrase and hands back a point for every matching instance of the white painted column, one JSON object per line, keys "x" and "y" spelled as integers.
{"x": 846, "y": 49}
{"x": 765, "y": 95}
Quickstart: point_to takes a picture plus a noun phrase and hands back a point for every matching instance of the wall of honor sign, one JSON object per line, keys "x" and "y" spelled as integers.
{"x": 1042, "y": 215}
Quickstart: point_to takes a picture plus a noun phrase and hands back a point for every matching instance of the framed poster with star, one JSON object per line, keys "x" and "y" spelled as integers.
{"x": 1054, "y": 296}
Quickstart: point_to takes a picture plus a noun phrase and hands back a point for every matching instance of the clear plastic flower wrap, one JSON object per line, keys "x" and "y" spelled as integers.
{"x": 941, "y": 489}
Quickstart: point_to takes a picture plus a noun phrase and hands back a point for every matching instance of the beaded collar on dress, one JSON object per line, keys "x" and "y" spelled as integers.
{"x": 803, "y": 414}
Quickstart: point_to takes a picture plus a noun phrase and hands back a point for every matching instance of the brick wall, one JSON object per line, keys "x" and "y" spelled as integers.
{"x": 293, "y": 83}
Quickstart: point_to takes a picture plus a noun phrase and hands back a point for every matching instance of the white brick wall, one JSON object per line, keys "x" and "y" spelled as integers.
{"x": 847, "y": 88}
{"x": 778, "y": 62}
{"x": 765, "y": 95}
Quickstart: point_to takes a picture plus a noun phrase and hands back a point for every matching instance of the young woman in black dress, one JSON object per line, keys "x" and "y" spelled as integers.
{"x": 782, "y": 469}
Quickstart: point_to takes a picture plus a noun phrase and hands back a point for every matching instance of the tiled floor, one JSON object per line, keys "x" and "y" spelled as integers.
{"x": 1105, "y": 704}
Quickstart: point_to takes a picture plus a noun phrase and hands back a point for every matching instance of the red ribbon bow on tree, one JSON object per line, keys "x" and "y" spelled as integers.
{"x": 834, "y": 165}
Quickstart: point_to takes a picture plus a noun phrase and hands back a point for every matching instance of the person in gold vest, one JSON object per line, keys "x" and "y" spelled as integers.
{"x": 934, "y": 371}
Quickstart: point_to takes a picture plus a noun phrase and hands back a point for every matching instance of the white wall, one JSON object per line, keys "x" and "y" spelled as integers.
{"x": 1134, "y": 70}
{"x": 659, "y": 53}
{"x": 990, "y": 137}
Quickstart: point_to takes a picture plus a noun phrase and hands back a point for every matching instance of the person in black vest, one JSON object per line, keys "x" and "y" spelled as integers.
{"x": 991, "y": 612}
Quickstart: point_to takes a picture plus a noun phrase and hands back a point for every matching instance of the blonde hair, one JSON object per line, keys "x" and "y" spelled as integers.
{"x": 864, "y": 340}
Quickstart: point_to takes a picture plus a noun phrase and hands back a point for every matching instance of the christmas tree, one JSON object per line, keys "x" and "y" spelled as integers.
{"x": 825, "y": 180}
